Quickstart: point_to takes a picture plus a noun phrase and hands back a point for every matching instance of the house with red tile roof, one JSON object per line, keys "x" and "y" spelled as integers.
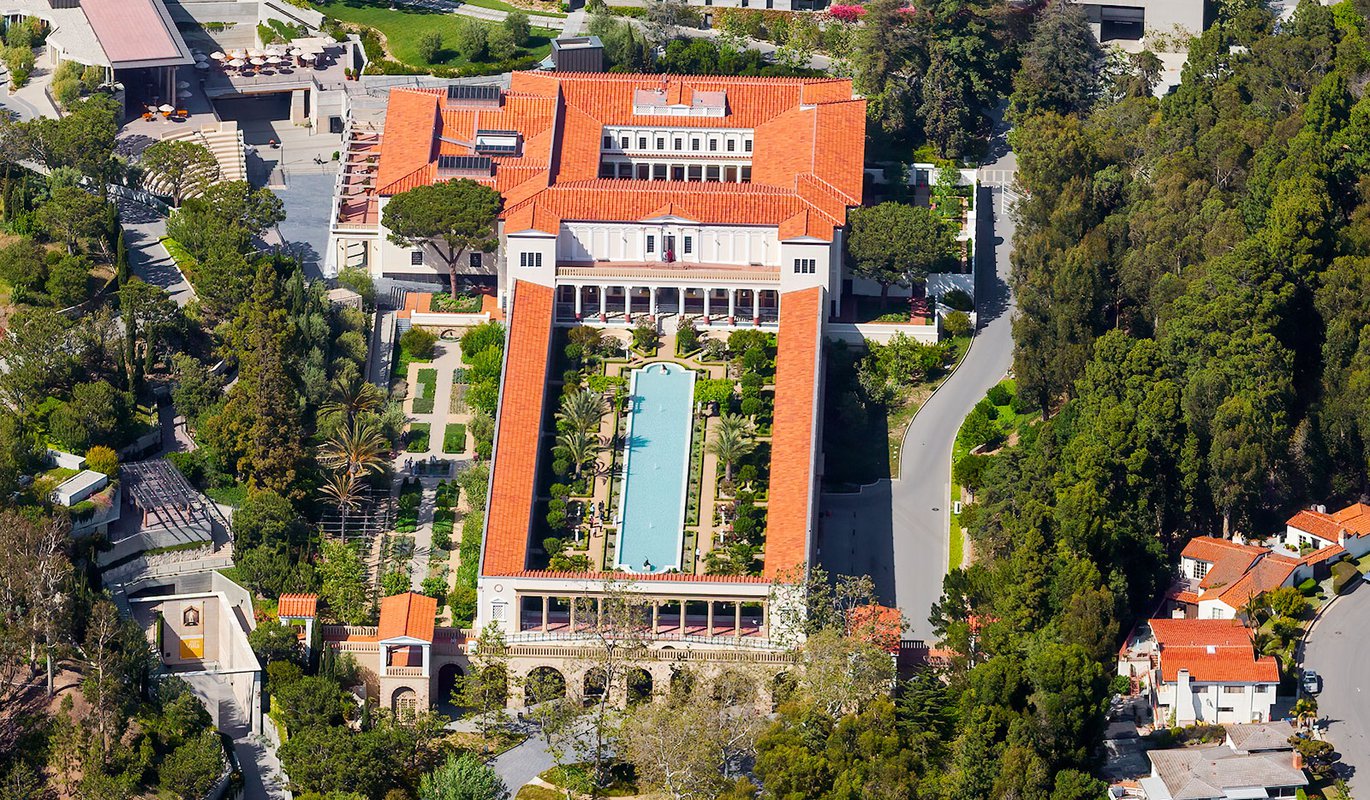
{"x": 1219, "y": 577}
{"x": 1315, "y": 529}
{"x": 1200, "y": 670}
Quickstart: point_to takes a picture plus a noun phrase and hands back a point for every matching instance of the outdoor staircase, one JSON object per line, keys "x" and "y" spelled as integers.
{"x": 224, "y": 140}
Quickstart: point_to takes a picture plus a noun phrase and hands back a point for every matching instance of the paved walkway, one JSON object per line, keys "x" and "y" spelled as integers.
{"x": 897, "y": 531}
{"x": 487, "y": 14}
{"x": 148, "y": 259}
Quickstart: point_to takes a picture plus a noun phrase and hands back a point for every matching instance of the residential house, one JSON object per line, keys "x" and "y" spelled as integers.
{"x": 1224, "y": 772}
{"x": 1260, "y": 737}
{"x": 1200, "y": 670}
{"x": 1218, "y": 577}
{"x": 1316, "y": 529}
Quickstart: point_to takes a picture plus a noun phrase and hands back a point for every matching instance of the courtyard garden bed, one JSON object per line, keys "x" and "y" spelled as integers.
{"x": 416, "y": 440}
{"x": 454, "y": 438}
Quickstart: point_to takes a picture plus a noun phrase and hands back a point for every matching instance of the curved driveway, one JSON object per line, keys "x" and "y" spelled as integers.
{"x": 1339, "y": 650}
{"x": 896, "y": 531}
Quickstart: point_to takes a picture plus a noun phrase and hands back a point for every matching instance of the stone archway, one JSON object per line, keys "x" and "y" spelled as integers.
{"x": 543, "y": 684}
{"x": 733, "y": 688}
{"x": 640, "y": 686}
{"x": 595, "y": 686}
{"x": 404, "y": 700}
{"x": 449, "y": 682}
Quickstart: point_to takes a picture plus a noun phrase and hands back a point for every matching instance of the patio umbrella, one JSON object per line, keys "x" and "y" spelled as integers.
{"x": 184, "y": 94}
{"x": 237, "y": 62}
{"x": 182, "y": 84}
{"x": 295, "y": 51}
{"x": 202, "y": 65}
{"x": 308, "y": 56}
{"x": 166, "y": 108}
{"x": 257, "y": 62}
{"x": 255, "y": 53}
{"x": 274, "y": 59}
{"x": 217, "y": 55}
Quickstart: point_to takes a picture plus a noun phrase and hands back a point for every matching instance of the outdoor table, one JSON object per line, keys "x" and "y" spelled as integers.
{"x": 202, "y": 65}
{"x": 217, "y": 55}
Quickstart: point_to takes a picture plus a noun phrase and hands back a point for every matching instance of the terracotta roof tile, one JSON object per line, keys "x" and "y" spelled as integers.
{"x": 1218, "y": 665}
{"x": 297, "y": 605}
{"x": 519, "y": 426}
{"x": 1212, "y": 549}
{"x": 1199, "y": 632}
{"x": 409, "y": 614}
{"x": 407, "y": 141}
{"x": 1316, "y": 523}
{"x": 1266, "y": 575}
{"x": 808, "y": 147}
{"x": 1323, "y": 554}
{"x": 1355, "y": 518}
{"x": 793, "y": 448}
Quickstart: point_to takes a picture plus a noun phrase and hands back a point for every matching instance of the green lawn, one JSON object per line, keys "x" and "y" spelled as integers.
{"x": 454, "y": 438}
{"x": 404, "y": 26}
{"x": 427, "y": 380}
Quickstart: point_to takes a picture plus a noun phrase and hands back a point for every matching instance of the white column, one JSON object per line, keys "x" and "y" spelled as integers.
{"x": 706, "y": 302}
{"x": 732, "y": 303}
{"x": 384, "y": 652}
{"x": 427, "y": 652}
{"x": 579, "y": 290}
{"x": 756, "y": 304}
{"x": 602, "y": 307}
{"x": 651, "y": 300}
{"x": 627, "y": 302}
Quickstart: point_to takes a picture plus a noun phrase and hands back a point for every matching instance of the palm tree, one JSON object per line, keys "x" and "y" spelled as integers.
{"x": 356, "y": 448}
{"x": 581, "y": 446}
{"x": 1306, "y": 711}
{"x": 352, "y": 398}
{"x": 732, "y": 441}
{"x": 583, "y": 410}
{"x": 344, "y": 490}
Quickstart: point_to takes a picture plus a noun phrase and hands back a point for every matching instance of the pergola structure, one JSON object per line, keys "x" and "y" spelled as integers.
{"x": 166, "y": 499}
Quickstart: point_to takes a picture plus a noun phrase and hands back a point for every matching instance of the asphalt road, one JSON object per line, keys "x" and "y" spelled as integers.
{"x": 1340, "y": 652}
{"x": 897, "y": 531}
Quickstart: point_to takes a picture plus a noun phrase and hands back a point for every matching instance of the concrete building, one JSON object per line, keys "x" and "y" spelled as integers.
{"x": 1134, "y": 21}
{"x": 202, "y": 637}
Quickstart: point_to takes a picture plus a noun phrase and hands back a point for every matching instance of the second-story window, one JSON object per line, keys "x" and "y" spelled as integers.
{"x": 713, "y": 145}
{"x": 732, "y": 146}
{"x": 747, "y": 145}
{"x": 694, "y": 144}
{"x": 660, "y": 143}
{"x": 642, "y": 142}
{"x": 687, "y": 245}
{"x": 623, "y": 142}
{"x": 680, "y": 144}
{"x": 651, "y": 243}
{"x": 416, "y": 258}
{"x": 608, "y": 142}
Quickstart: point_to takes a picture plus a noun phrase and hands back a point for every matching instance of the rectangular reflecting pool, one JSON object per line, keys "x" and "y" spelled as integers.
{"x": 651, "y": 521}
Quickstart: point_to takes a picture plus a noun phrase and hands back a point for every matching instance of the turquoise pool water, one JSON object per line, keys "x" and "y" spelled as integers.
{"x": 651, "y": 524}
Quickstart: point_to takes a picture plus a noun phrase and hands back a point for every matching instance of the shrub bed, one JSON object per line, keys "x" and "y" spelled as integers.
{"x": 454, "y": 438}
{"x": 416, "y": 441}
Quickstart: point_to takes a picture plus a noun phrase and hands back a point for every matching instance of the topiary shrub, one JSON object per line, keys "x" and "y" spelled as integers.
{"x": 999, "y": 395}
{"x": 1344, "y": 576}
{"x": 103, "y": 460}
{"x": 419, "y": 343}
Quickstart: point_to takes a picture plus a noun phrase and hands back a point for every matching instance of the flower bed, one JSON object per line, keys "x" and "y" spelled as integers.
{"x": 460, "y": 304}
{"x": 416, "y": 441}
{"x": 454, "y": 438}
{"x": 427, "y": 387}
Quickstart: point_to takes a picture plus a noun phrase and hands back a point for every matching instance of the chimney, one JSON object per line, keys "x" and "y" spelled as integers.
{"x": 1298, "y": 760}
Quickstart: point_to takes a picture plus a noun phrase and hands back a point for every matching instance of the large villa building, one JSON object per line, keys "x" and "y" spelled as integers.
{"x": 630, "y": 199}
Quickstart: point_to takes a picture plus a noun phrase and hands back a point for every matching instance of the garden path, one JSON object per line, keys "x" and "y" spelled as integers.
{"x": 423, "y": 535}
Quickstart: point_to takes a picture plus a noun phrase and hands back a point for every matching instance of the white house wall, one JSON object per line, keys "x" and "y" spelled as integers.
{"x": 740, "y": 245}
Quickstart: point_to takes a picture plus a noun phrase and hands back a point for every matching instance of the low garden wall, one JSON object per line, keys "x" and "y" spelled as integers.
{"x": 857, "y": 333}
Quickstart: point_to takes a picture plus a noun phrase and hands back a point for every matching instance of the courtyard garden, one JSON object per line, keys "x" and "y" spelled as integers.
{"x": 727, "y": 479}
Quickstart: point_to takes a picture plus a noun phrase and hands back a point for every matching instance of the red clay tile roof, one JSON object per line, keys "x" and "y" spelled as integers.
{"x": 409, "y": 614}
{"x": 808, "y": 148}
{"x": 630, "y": 201}
{"x": 1355, "y": 518}
{"x": 1199, "y": 632}
{"x": 519, "y": 426}
{"x": 1212, "y": 549}
{"x": 298, "y": 605}
{"x": 1316, "y": 523}
{"x": 1266, "y": 575}
{"x": 1323, "y": 554}
{"x": 1218, "y": 665}
{"x": 793, "y": 448}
